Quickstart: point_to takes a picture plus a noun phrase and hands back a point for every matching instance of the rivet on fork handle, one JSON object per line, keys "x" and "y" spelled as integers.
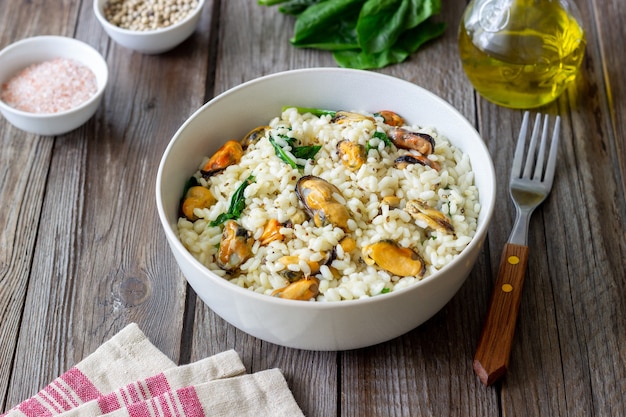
{"x": 494, "y": 347}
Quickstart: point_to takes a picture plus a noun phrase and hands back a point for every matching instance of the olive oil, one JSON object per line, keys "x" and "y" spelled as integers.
{"x": 521, "y": 53}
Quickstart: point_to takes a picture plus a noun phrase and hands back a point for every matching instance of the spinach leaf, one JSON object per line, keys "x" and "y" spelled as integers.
{"x": 379, "y": 135}
{"x": 300, "y": 152}
{"x": 280, "y": 152}
{"x": 295, "y": 7}
{"x": 329, "y": 25}
{"x": 383, "y": 136}
{"x": 363, "y": 34}
{"x": 306, "y": 152}
{"x": 409, "y": 42}
{"x": 271, "y": 2}
{"x": 381, "y": 23}
{"x": 237, "y": 203}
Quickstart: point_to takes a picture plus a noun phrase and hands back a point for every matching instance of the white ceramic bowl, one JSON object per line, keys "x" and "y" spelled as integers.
{"x": 25, "y": 52}
{"x": 319, "y": 325}
{"x": 154, "y": 41}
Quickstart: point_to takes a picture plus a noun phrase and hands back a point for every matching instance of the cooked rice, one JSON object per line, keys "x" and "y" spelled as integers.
{"x": 450, "y": 190}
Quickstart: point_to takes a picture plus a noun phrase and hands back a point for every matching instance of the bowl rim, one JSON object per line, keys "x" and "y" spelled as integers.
{"x": 477, "y": 239}
{"x": 98, "y": 8}
{"x": 64, "y": 39}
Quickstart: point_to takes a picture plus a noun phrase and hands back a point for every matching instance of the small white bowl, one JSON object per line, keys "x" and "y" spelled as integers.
{"x": 319, "y": 325}
{"x": 29, "y": 51}
{"x": 153, "y": 41}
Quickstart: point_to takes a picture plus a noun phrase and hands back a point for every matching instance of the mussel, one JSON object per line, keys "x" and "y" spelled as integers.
{"x": 229, "y": 154}
{"x": 352, "y": 154}
{"x": 290, "y": 274}
{"x": 345, "y": 117}
{"x": 253, "y": 136}
{"x": 235, "y": 246}
{"x": 318, "y": 197}
{"x": 271, "y": 232}
{"x": 347, "y": 244}
{"x": 391, "y": 118}
{"x": 392, "y": 201}
{"x": 303, "y": 289}
{"x": 405, "y": 160}
{"x": 196, "y": 197}
{"x": 435, "y": 219}
{"x": 405, "y": 139}
{"x": 391, "y": 257}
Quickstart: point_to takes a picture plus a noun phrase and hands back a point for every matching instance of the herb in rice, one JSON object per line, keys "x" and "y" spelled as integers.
{"x": 329, "y": 206}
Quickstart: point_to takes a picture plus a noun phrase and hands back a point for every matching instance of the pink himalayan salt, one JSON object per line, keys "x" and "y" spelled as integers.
{"x": 50, "y": 87}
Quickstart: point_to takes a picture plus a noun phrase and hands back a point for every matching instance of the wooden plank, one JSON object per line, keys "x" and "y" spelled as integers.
{"x": 103, "y": 262}
{"x": 25, "y": 161}
{"x": 564, "y": 362}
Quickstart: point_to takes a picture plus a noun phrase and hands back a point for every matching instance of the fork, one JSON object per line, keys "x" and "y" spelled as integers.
{"x": 529, "y": 185}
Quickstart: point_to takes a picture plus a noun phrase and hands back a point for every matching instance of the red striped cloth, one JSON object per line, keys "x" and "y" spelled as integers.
{"x": 128, "y": 377}
{"x": 222, "y": 365}
{"x": 260, "y": 394}
{"x": 129, "y": 351}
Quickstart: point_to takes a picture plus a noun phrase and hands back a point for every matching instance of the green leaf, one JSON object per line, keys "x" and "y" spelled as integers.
{"x": 270, "y": 2}
{"x": 408, "y": 43}
{"x": 300, "y": 152}
{"x": 237, "y": 203}
{"x": 295, "y": 7}
{"x": 280, "y": 152}
{"x": 329, "y": 25}
{"x": 306, "y": 152}
{"x": 382, "y": 22}
{"x": 363, "y": 34}
{"x": 383, "y": 136}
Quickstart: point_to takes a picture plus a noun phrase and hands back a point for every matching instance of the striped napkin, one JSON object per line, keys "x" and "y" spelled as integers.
{"x": 128, "y": 376}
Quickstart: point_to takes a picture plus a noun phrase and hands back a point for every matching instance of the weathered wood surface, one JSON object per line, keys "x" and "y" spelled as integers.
{"x": 82, "y": 254}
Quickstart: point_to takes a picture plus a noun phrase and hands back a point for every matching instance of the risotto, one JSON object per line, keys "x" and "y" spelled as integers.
{"x": 329, "y": 206}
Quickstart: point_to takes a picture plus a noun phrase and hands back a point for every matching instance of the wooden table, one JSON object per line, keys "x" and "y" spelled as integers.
{"x": 82, "y": 252}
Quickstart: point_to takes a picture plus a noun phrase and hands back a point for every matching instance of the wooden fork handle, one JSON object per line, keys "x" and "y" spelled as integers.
{"x": 494, "y": 346}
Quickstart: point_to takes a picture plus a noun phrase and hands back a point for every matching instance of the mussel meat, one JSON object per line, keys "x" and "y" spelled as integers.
{"x": 345, "y": 117}
{"x": 196, "y": 197}
{"x": 352, "y": 155}
{"x": 229, "y": 154}
{"x": 303, "y": 289}
{"x": 405, "y": 160}
{"x": 435, "y": 219}
{"x": 392, "y": 201}
{"x": 235, "y": 246}
{"x": 391, "y": 118}
{"x": 271, "y": 232}
{"x": 318, "y": 197}
{"x": 253, "y": 136}
{"x": 398, "y": 260}
{"x": 405, "y": 139}
{"x": 290, "y": 274}
{"x": 347, "y": 244}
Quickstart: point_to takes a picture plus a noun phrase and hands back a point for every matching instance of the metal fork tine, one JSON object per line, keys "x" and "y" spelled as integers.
{"x": 551, "y": 166}
{"x": 530, "y": 160}
{"x": 539, "y": 165}
{"x": 518, "y": 157}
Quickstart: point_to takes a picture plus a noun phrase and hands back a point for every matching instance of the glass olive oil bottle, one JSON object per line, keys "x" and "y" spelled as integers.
{"x": 521, "y": 53}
